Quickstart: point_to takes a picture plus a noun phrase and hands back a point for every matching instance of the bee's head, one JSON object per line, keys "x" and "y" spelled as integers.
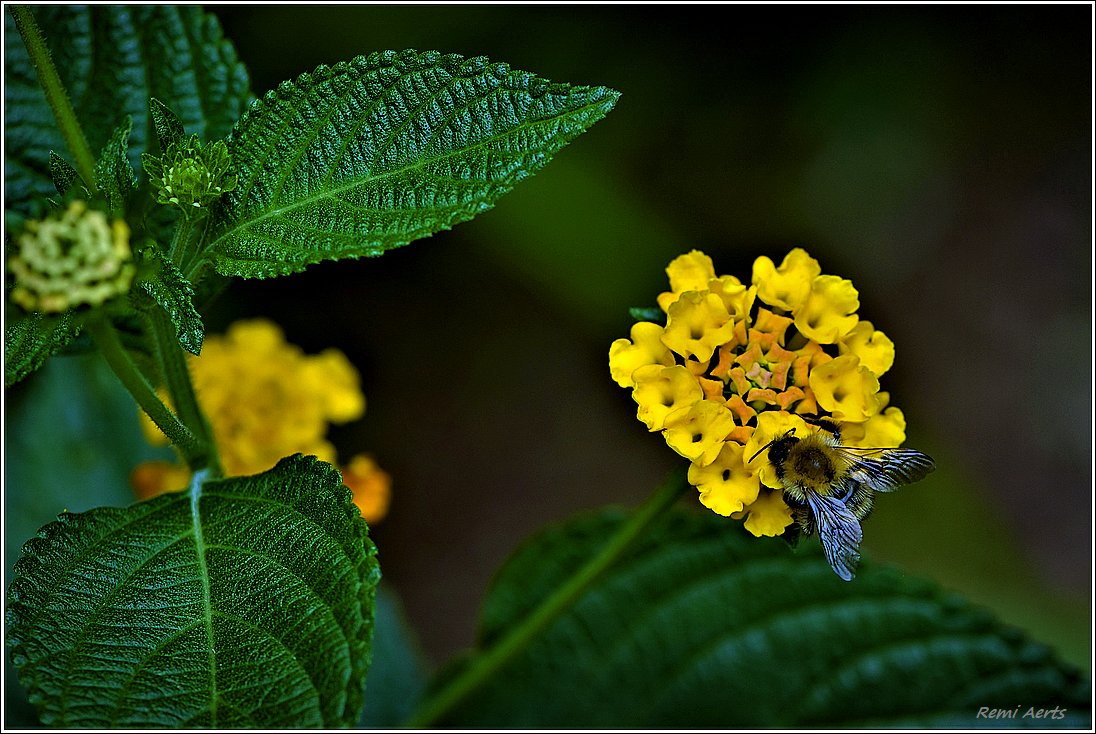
{"x": 778, "y": 447}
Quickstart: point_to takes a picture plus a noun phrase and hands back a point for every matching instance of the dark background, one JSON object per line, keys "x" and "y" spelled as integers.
{"x": 938, "y": 156}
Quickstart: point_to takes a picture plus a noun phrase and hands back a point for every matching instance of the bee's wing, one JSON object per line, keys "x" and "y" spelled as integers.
{"x": 839, "y": 531}
{"x": 889, "y": 469}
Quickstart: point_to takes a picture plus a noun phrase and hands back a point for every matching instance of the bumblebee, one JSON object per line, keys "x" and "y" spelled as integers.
{"x": 831, "y": 488}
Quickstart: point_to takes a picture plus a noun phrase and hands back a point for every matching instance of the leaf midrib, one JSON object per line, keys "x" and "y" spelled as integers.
{"x": 420, "y": 163}
{"x": 207, "y": 598}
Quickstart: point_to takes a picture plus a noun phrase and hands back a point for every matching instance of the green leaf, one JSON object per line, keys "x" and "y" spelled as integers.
{"x": 169, "y": 129}
{"x": 356, "y": 159}
{"x": 62, "y": 173}
{"x": 112, "y": 59}
{"x": 706, "y": 627}
{"x": 113, "y": 174}
{"x": 31, "y": 340}
{"x": 159, "y": 279}
{"x": 246, "y": 602}
{"x": 654, "y": 314}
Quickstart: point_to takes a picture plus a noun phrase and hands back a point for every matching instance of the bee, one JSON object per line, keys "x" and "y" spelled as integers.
{"x": 831, "y": 488}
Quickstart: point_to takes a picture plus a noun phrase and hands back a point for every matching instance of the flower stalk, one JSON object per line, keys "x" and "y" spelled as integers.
{"x": 106, "y": 338}
{"x": 176, "y": 376}
{"x": 55, "y": 93}
{"x": 490, "y": 661}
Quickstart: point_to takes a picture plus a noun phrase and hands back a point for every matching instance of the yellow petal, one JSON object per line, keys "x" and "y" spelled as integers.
{"x": 698, "y": 432}
{"x": 697, "y": 324}
{"x": 788, "y": 286}
{"x": 768, "y": 515}
{"x": 727, "y": 484}
{"x": 829, "y": 311}
{"x": 645, "y": 348}
{"x": 661, "y": 390}
{"x": 846, "y": 388}
{"x": 874, "y": 348}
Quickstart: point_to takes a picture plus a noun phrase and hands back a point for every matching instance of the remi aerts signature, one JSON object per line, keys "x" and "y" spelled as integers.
{"x": 985, "y": 712}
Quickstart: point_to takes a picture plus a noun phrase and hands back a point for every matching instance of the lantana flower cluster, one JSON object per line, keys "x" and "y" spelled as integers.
{"x": 72, "y": 258}
{"x": 265, "y": 399}
{"x": 738, "y": 364}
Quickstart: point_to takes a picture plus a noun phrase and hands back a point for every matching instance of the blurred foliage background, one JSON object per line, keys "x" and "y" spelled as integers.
{"x": 938, "y": 156}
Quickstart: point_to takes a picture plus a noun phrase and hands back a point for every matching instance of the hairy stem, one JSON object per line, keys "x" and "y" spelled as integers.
{"x": 120, "y": 361}
{"x": 176, "y": 376}
{"x": 490, "y": 661}
{"x": 55, "y": 94}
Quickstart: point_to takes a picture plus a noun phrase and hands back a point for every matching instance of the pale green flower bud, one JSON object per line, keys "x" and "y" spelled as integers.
{"x": 189, "y": 176}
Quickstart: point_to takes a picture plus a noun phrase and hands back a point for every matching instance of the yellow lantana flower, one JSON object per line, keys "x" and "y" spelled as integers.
{"x": 697, "y": 323}
{"x": 660, "y": 391}
{"x": 788, "y": 286}
{"x": 265, "y": 399}
{"x": 689, "y": 272}
{"x": 645, "y": 348}
{"x": 699, "y": 432}
{"x": 829, "y": 311}
{"x": 746, "y": 364}
{"x": 727, "y": 484}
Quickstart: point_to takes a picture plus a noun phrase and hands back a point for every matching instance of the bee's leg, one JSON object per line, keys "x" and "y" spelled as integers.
{"x": 825, "y": 424}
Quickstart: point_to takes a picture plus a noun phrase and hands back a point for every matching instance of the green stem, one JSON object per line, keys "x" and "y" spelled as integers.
{"x": 490, "y": 661}
{"x": 176, "y": 376}
{"x": 106, "y": 338}
{"x": 180, "y": 242}
{"x": 55, "y": 94}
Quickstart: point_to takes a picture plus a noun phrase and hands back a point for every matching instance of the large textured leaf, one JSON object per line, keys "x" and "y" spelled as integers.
{"x": 361, "y": 157}
{"x": 112, "y": 58}
{"x": 246, "y": 602}
{"x": 703, "y": 627}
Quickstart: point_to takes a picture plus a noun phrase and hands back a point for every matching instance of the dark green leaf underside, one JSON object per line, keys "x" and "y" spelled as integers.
{"x": 361, "y": 157}
{"x": 704, "y": 627}
{"x": 252, "y": 607}
{"x": 168, "y": 289}
{"x": 174, "y": 53}
{"x": 31, "y": 340}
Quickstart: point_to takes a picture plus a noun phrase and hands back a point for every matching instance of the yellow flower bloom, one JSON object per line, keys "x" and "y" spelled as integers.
{"x": 768, "y": 515}
{"x": 698, "y": 432}
{"x": 689, "y": 272}
{"x": 645, "y": 348}
{"x": 846, "y": 388}
{"x": 663, "y": 390}
{"x": 727, "y": 484}
{"x": 874, "y": 348}
{"x": 829, "y": 311}
{"x": 788, "y": 286}
{"x": 264, "y": 399}
{"x": 736, "y": 377}
{"x": 697, "y": 323}
{"x": 884, "y": 430}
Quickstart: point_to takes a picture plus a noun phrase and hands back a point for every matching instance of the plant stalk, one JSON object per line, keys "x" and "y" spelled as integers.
{"x": 176, "y": 377}
{"x": 106, "y": 338}
{"x": 490, "y": 661}
{"x": 55, "y": 93}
